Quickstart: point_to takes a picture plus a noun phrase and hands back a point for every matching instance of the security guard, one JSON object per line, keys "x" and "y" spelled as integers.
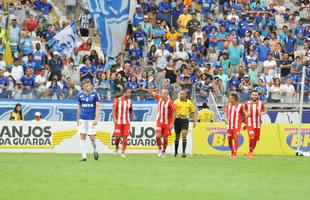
{"x": 205, "y": 115}
{"x": 185, "y": 108}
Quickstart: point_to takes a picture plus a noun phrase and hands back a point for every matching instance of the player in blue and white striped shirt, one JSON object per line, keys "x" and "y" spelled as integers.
{"x": 87, "y": 117}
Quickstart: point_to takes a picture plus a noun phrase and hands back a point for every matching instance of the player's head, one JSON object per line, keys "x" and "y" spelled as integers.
{"x": 183, "y": 95}
{"x": 254, "y": 95}
{"x": 126, "y": 93}
{"x": 233, "y": 98}
{"x": 87, "y": 85}
{"x": 164, "y": 93}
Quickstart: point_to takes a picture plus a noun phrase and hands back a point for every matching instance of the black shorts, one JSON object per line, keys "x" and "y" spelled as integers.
{"x": 180, "y": 125}
{"x": 84, "y": 32}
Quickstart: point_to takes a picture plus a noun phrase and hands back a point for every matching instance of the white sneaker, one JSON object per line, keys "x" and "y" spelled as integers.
{"x": 163, "y": 154}
{"x": 115, "y": 152}
{"x": 159, "y": 153}
{"x": 123, "y": 155}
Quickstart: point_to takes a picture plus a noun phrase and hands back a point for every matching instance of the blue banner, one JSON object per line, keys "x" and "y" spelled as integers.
{"x": 111, "y": 19}
{"x": 65, "y": 41}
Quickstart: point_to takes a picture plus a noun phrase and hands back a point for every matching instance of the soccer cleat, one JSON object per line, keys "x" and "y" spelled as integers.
{"x": 123, "y": 155}
{"x": 83, "y": 159}
{"x": 163, "y": 155}
{"x": 175, "y": 155}
{"x": 183, "y": 155}
{"x": 115, "y": 152}
{"x": 96, "y": 155}
{"x": 233, "y": 155}
{"x": 159, "y": 154}
{"x": 250, "y": 156}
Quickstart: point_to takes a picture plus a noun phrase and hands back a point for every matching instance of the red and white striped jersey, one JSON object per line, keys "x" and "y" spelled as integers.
{"x": 122, "y": 110}
{"x": 254, "y": 120}
{"x": 164, "y": 110}
{"x": 234, "y": 116}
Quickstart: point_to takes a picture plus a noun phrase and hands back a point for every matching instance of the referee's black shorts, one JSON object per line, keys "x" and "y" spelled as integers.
{"x": 180, "y": 125}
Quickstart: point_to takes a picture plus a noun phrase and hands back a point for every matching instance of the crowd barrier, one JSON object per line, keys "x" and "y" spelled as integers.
{"x": 203, "y": 139}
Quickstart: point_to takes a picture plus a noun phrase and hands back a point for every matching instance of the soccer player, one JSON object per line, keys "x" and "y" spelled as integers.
{"x": 166, "y": 113}
{"x": 87, "y": 117}
{"x": 122, "y": 106}
{"x": 185, "y": 108}
{"x": 233, "y": 117}
{"x": 253, "y": 110}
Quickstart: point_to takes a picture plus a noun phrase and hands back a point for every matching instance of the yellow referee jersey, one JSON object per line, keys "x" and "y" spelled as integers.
{"x": 184, "y": 108}
{"x": 205, "y": 115}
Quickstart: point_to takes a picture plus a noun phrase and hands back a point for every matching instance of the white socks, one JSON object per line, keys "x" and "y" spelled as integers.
{"x": 93, "y": 143}
{"x": 83, "y": 148}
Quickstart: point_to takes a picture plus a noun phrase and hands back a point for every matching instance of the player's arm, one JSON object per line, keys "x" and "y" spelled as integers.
{"x": 226, "y": 116}
{"x": 174, "y": 114}
{"x": 151, "y": 90}
{"x": 78, "y": 114}
{"x": 114, "y": 111}
{"x": 97, "y": 113}
{"x": 212, "y": 117}
{"x": 264, "y": 110}
{"x": 133, "y": 114}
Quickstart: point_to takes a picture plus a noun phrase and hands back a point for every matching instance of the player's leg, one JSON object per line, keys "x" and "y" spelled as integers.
{"x": 257, "y": 136}
{"x": 93, "y": 143}
{"x": 177, "y": 130}
{"x": 125, "y": 133}
{"x": 159, "y": 130}
{"x": 92, "y": 135}
{"x": 230, "y": 141}
{"x": 117, "y": 134}
{"x": 83, "y": 146}
{"x": 184, "y": 136}
{"x": 82, "y": 129}
{"x": 236, "y": 141}
{"x": 251, "y": 134}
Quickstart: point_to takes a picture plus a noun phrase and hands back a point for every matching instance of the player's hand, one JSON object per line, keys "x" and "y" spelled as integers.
{"x": 95, "y": 122}
{"x": 134, "y": 118}
{"x": 226, "y": 122}
{"x": 78, "y": 122}
{"x": 115, "y": 121}
{"x": 171, "y": 126}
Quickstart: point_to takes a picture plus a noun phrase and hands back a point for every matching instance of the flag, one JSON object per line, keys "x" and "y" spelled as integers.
{"x": 111, "y": 18}
{"x": 65, "y": 41}
{"x": 8, "y": 51}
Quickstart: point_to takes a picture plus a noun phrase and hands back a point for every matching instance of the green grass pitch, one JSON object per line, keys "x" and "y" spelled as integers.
{"x": 147, "y": 177}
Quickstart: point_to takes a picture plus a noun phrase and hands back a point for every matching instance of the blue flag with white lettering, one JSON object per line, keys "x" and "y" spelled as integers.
{"x": 111, "y": 19}
{"x": 65, "y": 41}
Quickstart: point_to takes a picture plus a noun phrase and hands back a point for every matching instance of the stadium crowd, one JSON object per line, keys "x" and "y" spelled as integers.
{"x": 202, "y": 46}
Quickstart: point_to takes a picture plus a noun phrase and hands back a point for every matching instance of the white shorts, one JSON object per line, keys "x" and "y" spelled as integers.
{"x": 87, "y": 127}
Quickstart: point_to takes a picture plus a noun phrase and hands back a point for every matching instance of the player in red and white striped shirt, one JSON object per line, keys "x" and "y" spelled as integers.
{"x": 166, "y": 113}
{"x": 253, "y": 110}
{"x": 122, "y": 106}
{"x": 233, "y": 117}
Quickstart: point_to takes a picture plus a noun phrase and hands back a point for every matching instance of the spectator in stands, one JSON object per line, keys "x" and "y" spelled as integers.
{"x": 4, "y": 84}
{"x": 285, "y": 65}
{"x": 55, "y": 65}
{"x": 180, "y": 57}
{"x": 88, "y": 71}
{"x": 28, "y": 83}
{"x": 43, "y": 6}
{"x": 30, "y": 24}
{"x": 25, "y": 44}
{"x": 103, "y": 86}
{"x": 17, "y": 114}
{"x": 38, "y": 58}
{"x": 183, "y": 21}
{"x": 40, "y": 82}
{"x": 262, "y": 90}
{"x": 288, "y": 91}
{"x": 53, "y": 89}
{"x": 275, "y": 91}
{"x": 246, "y": 88}
{"x": 263, "y": 51}
{"x": 134, "y": 86}
{"x": 17, "y": 70}
{"x": 14, "y": 35}
{"x": 86, "y": 46}
{"x": 119, "y": 85}
{"x": 235, "y": 53}
{"x": 84, "y": 22}
{"x": 49, "y": 33}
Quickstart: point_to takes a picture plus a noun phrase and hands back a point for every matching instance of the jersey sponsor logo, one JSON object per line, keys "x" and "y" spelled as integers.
{"x": 292, "y": 140}
{"x": 87, "y": 105}
{"x": 219, "y": 140}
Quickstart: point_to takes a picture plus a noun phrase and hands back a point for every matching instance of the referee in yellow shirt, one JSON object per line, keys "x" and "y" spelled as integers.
{"x": 205, "y": 115}
{"x": 185, "y": 108}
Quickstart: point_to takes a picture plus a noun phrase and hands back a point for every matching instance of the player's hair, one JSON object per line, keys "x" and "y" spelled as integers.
{"x": 125, "y": 90}
{"x": 235, "y": 96}
{"x": 255, "y": 91}
{"x": 86, "y": 81}
{"x": 205, "y": 105}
